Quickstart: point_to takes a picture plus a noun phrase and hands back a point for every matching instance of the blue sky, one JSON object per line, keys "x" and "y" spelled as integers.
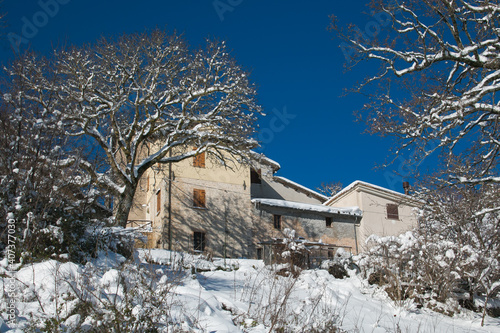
{"x": 295, "y": 62}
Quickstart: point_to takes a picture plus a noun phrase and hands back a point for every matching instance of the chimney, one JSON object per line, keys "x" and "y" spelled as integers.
{"x": 406, "y": 187}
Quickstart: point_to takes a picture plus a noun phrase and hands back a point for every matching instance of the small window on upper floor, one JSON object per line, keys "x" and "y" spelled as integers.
{"x": 199, "y": 160}
{"x": 392, "y": 212}
{"x": 255, "y": 177}
{"x": 328, "y": 222}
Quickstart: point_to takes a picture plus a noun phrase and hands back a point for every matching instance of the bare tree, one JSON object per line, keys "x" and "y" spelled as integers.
{"x": 438, "y": 86}
{"x": 330, "y": 189}
{"x": 437, "y": 91}
{"x": 46, "y": 213}
{"x": 459, "y": 223}
{"x": 143, "y": 99}
{"x": 454, "y": 252}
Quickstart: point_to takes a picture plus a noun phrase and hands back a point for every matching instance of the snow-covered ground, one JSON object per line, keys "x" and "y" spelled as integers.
{"x": 182, "y": 293}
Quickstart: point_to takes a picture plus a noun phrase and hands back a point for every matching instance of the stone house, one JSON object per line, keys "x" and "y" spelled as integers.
{"x": 198, "y": 205}
{"x": 385, "y": 212}
{"x": 281, "y": 203}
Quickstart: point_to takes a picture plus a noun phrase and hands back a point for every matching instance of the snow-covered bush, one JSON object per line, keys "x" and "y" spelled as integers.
{"x": 467, "y": 221}
{"x": 45, "y": 212}
{"x": 100, "y": 237}
{"x": 389, "y": 263}
{"x": 129, "y": 298}
{"x": 340, "y": 264}
{"x": 453, "y": 256}
{"x": 294, "y": 252}
{"x": 108, "y": 294}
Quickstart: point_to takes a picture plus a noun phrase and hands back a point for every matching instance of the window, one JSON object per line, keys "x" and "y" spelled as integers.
{"x": 199, "y": 160}
{"x": 277, "y": 221}
{"x": 199, "y": 241}
{"x": 392, "y": 212}
{"x": 158, "y": 201}
{"x": 255, "y": 177}
{"x": 199, "y": 198}
{"x": 328, "y": 222}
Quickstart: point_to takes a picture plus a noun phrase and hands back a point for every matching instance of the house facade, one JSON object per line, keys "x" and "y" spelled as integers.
{"x": 281, "y": 203}
{"x": 198, "y": 205}
{"x": 385, "y": 212}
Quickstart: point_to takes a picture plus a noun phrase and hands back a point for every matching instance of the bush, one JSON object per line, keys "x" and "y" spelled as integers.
{"x": 338, "y": 271}
{"x": 106, "y": 296}
{"x": 452, "y": 258}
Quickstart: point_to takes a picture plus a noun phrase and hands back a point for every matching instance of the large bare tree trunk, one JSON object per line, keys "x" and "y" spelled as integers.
{"x": 124, "y": 205}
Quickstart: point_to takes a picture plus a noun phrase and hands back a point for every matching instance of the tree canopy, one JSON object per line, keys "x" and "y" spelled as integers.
{"x": 437, "y": 91}
{"x": 139, "y": 99}
{"x": 439, "y": 81}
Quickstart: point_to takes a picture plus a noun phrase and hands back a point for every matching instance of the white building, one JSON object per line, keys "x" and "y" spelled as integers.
{"x": 385, "y": 212}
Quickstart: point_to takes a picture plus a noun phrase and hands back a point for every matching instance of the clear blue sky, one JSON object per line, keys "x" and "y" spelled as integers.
{"x": 295, "y": 62}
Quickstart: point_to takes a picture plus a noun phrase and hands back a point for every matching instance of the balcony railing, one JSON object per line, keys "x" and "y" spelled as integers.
{"x": 141, "y": 225}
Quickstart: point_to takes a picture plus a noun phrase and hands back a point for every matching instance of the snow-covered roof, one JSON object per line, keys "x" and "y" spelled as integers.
{"x": 300, "y": 188}
{"x": 266, "y": 160}
{"x": 379, "y": 189}
{"x": 353, "y": 211}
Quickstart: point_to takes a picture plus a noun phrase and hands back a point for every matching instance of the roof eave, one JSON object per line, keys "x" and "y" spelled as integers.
{"x": 376, "y": 190}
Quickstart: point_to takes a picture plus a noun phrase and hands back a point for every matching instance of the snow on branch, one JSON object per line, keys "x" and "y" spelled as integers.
{"x": 439, "y": 78}
{"x": 139, "y": 96}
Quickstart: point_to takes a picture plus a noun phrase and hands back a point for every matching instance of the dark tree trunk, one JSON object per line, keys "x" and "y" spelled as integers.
{"x": 124, "y": 205}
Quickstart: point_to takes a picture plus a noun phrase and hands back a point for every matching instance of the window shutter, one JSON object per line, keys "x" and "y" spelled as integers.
{"x": 199, "y": 160}
{"x": 158, "y": 201}
{"x": 196, "y": 198}
{"x": 202, "y": 198}
{"x": 392, "y": 212}
{"x": 199, "y": 198}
